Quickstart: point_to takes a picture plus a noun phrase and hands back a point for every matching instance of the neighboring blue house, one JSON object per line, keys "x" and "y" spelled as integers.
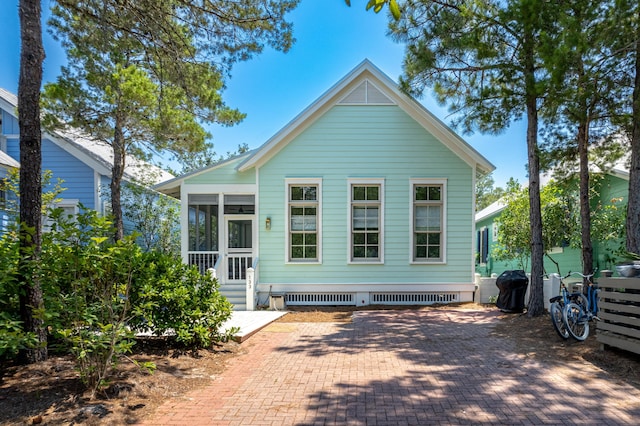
{"x": 614, "y": 185}
{"x": 6, "y": 164}
{"x": 84, "y": 165}
{"x": 364, "y": 198}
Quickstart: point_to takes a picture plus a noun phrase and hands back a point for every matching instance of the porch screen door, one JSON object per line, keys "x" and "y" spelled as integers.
{"x": 239, "y": 241}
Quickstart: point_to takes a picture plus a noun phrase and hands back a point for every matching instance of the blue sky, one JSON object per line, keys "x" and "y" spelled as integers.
{"x": 274, "y": 87}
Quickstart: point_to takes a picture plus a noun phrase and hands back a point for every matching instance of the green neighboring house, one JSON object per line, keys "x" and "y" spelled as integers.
{"x": 364, "y": 198}
{"x": 615, "y": 184}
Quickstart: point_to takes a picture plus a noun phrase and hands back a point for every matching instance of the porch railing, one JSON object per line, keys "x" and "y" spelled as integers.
{"x": 237, "y": 265}
{"x": 205, "y": 260}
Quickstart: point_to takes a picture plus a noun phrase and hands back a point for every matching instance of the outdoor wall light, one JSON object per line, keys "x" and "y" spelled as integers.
{"x": 267, "y": 223}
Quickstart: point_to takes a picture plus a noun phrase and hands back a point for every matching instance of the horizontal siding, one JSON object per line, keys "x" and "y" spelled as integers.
{"x": 13, "y": 148}
{"x": 225, "y": 174}
{"x": 78, "y": 177}
{"x": 9, "y": 124}
{"x": 366, "y": 141}
{"x": 613, "y": 187}
{"x": 604, "y": 252}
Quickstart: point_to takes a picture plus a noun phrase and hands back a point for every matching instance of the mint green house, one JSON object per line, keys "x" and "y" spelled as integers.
{"x": 614, "y": 185}
{"x": 364, "y": 198}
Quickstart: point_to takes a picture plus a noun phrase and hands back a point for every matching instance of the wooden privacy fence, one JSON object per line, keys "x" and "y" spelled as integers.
{"x": 619, "y": 311}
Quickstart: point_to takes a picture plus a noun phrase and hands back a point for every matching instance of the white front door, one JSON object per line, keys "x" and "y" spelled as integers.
{"x": 239, "y": 247}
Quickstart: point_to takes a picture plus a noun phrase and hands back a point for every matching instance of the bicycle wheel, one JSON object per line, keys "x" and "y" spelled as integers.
{"x": 576, "y": 320}
{"x": 580, "y": 299}
{"x": 555, "y": 310}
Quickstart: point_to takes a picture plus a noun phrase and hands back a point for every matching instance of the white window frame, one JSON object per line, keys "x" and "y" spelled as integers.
{"x": 483, "y": 256}
{"x": 353, "y": 182}
{"x": 64, "y": 204}
{"x": 443, "y": 220}
{"x": 289, "y": 182}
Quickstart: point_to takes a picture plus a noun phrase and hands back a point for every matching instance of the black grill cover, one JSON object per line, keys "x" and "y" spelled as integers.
{"x": 513, "y": 286}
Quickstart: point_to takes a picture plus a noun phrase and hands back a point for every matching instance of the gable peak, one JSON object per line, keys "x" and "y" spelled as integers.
{"x": 366, "y": 93}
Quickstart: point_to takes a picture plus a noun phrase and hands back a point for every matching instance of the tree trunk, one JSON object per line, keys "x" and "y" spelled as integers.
{"x": 633, "y": 205}
{"x": 31, "y": 59}
{"x": 585, "y": 206}
{"x": 536, "y": 296}
{"x": 116, "y": 177}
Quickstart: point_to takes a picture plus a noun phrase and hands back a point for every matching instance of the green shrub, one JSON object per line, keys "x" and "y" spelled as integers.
{"x": 12, "y": 336}
{"x": 99, "y": 292}
{"x": 171, "y": 297}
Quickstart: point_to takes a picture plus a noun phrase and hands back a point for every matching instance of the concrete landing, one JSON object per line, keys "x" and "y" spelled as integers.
{"x": 250, "y": 322}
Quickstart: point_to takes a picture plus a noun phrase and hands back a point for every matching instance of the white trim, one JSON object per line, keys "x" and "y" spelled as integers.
{"x": 97, "y": 193}
{"x": 474, "y": 178}
{"x": 223, "y": 246}
{"x": 374, "y": 286}
{"x": 351, "y": 182}
{"x": 257, "y": 225}
{"x": 63, "y": 203}
{"x": 303, "y": 181}
{"x": 184, "y": 223}
{"x": 67, "y": 202}
{"x": 239, "y": 188}
{"x": 480, "y": 244}
{"x": 443, "y": 248}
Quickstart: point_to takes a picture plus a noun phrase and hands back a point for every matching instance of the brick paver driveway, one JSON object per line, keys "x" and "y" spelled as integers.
{"x": 426, "y": 367}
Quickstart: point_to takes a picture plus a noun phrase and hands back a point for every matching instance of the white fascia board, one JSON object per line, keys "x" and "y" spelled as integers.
{"x": 178, "y": 181}
{"x": 229, "y": 188}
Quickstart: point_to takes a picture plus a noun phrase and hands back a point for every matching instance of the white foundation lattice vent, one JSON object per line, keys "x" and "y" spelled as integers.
{"x": 320, "y": 299}
{"x": 413, "y": 298}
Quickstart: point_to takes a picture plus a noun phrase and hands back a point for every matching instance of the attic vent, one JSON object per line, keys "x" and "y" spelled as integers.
{"x": 320, "y": 299}
{"x": 366, "y": 93}
{"x": 413, "y": 298}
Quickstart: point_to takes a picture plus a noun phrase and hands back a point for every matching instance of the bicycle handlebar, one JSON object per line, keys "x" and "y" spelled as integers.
{"x": 581, "y": 275}
{"x": 588, "y": 277}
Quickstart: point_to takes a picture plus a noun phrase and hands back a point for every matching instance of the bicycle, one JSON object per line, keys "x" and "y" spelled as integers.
{"x": 577, "y": 316}
{"x": 558, "y": 307}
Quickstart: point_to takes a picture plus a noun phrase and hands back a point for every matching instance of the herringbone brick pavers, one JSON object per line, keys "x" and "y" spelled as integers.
{"x": 428, "y": 367}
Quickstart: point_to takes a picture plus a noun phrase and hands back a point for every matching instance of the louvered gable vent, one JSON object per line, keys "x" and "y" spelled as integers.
{"x": 366, "y": 93}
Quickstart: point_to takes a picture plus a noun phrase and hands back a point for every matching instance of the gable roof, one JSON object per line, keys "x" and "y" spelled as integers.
{"x": 172, "y": 187}
{"x": 8, "y": 161}
{"x": 366, "y": 84}
{"x": 97, "y": 154}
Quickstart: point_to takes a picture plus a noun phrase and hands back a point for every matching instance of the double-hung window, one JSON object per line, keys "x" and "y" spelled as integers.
{"x": 427, "y": 220}
{"x": 366, "y": 221}
{"x": 303, "y": 213}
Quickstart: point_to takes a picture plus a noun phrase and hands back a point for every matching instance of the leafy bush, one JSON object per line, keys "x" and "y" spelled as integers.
{"x": 171, "y": 297}
{"x": 86, "y": 279}
{"x": 12, "y": 336}
{"x": 99, "y": 292}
